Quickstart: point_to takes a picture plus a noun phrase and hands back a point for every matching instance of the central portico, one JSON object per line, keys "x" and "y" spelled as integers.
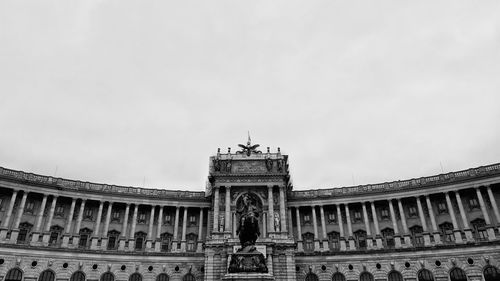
{"x": 263, "y": 177}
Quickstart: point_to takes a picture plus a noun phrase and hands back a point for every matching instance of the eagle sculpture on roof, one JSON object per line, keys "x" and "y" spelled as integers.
{"x": 249, "y": 148}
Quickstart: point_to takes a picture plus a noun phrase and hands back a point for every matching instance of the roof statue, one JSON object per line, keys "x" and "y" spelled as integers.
{"x": 249, "y": 148}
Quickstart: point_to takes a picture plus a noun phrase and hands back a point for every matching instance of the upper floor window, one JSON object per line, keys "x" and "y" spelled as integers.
{"x": 473, "y": 204}
{"x": 479, "y": 227}
{"x": 168, "y": 219}
{"x": 192, "y": 219}
{"x": 307, "y": 218}
{"x": 357, "y": 216}
{"x": 416, "y": 235}
{"x": 115, "y": 215}
{"x": 191, "y": 242}
{"x": 331, "y": 217}
{"x": 447, "y": 232}
{"x": 442, "y": 209}
{"x": 142, "y": 217}
{"x": 412, "y": 211}
{"x": 388, "y": 237}
{"x": 88, "y": 213}
{"x": 333, "y": 240}
{"x": 30, "y": 206}
{"x": 384, "y": 214}
{"x": 59, "y": 211}
{"x": 360, "y": 239}
{"x": 308, "y": 239}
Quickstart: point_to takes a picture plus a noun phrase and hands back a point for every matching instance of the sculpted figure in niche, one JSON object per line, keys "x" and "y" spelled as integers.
{"x": 277, "y": 223}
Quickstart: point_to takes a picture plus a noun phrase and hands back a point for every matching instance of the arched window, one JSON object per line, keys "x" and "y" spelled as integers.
{"x": 338, "y": 277}
{"x": 14, "y": 274}
{"x": 366, "y": 276}
{"x": 47, "y": 275}
{"x": 394, "y": 276}
{"x": 491, "y": 273}
{"x": 457, "y": 274}
{"x": 360, "y": 237}
{"x": 107, "y": 276}
{"x": 425, "y": 275}
{"x": 135, "y": 277}
{"x": 78, "y": 276}
{"x": 162, "y": 277}
{"x": 311, "y": 277}
{"x": 188, "y": 277}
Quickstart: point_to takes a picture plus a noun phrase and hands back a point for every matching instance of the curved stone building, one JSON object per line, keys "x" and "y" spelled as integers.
{"x": 442, "y": 227}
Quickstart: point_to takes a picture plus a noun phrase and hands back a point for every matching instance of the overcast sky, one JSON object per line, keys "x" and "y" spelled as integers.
{"x": 141, "y": 93}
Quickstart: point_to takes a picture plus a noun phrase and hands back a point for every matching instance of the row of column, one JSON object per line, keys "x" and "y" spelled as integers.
{"x": 96, "y": 232}
{"x": 406, "y": 233}
{"x": 275, "y": 223}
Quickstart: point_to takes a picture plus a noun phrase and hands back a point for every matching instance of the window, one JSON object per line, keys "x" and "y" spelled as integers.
{"x": 457, "y": 274}
{"x": 308, "y": 239}
{"x": 24, "y": 229}
{"x": 135, "y": 277}
{"x": 491, "y": 273}
{"x": 331, "y": 217}
{"x": 30, "y": 206}
{"x": 425, "y": 275}
{"x": 59, "y": 211}
{"x": 412, "y": 211}
{"x": 55, "y": 232}
{"x": 388, "y": 237}
{"x": 112, "y": 239}
{"x": 139, "y": 240}
{"x": 416, "y": 235}
{"x": 357, "y": 216}
{"x": 384, "y": 214}
{"x": 77, "y": 276}
{"x": 366, "y": 276}
{"x": 473, "y": 204}
{"x": 447, "y": 232}
{"x": 141, "y": 218}
{"x": 192, "y": 220}
{"x": 442, "y": 209}
{"x": 191, "y": 242}
{"x": 107, "y": 276}
{"x": 394, "y": 276}
{"x": 307, "y": 218}
{"x": 333, "y": 240}
{"x": 168, "y": 219}
{"x": 115, "y": 216}
{"x": 88, "y": 213}
{"x": 166, "y": 242}
{"x": 360, "y": 239}
{"x": 338, "y": 277}
{"x": 311, "y": 277}
{"x": 84, "y": 238}
{"x": 188, "y": 277}
{"x": 14, "y": 274}
{"x": 479, "y": 228}
{"x": 162, "y": 277}
{"x": 47, "y": 275}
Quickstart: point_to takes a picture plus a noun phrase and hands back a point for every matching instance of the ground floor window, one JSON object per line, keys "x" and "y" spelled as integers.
{"x": 425, "y": 275}
{"x": 47, "y": 275}
{"x": 107, "y": 276}
{"x": 14, "y": 274}
{"x": 162, "y": 277}
{"x": 394, "y": 276}
{"x": 491, "y": 273}
{"x": 338, "y": 277}
{"x": 366, "y": 276}
{"x": 457, "y": 274}
{"x": 311, "y": 277}
{"x": 78, "y": 276}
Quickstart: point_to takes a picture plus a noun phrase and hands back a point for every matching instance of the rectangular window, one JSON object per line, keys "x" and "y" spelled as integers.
{"x": 357, "y": 216}
{"x": 442, "y": 209}
{"x": 21, "y": 238}
{"x": 116, "y": 216}
{"x": 141, "y": 218}
{"x": 307, "y": 218}
{"x": 168, "y": 219}
{"x": 29, "y": 207}
{"x": 83, "y": 241}
{"x": 59, "y": 211}
{"x": 473, "y": 204}
{"x": 384, "y": 214}
{"x": 412, "y": 211}
{"x": 53, "y": 238}
{"x": 192, "y": 219}
{"x": 88, "y": 213}
{"x": 111, "y": 242}
{"x": 331, "y": 217}
{"x": 138, "y": 243}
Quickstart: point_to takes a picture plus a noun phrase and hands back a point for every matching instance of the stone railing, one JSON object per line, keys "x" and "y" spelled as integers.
{"x": 97, "y": 187}
{"x": 452, "y": 177}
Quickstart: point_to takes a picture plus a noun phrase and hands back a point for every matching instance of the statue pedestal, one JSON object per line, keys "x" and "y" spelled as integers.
{"x": 249, "y": 260}
{"x": 248, "y": 276}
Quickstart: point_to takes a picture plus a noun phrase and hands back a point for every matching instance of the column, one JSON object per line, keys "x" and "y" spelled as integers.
{"x": 199, "y": 246}
{"x": 131, "y": 239}
{"x": 176, "y": 226}
{"x": 427, "y": 238}
{"x": 15, "y": 228}
{"x": 149, "y": 241}
{"x": 342, "y": 239}
{"x": 184, "y": 225}
{"x": 435, "y": 232}
{"x": 5, "y": 223}
{"x": 300, "y": 247}
{"x": 369, "y": 238}
{"x": 397, "y": 237}
{"x": 104, "y": 236}
{"x": 494, "y": 204}
{"x": 352, "y": 246}
{"x": 158, "y": 230}
{"x": 227, "y": 224}
{"x": 323, "y": 228}
{"x": 406, "y": 234}
{"x": 216, "y": 209}
{"x": 465, "y": 222}
{"x": 76, "y": 231}
{"x": 36, "y": 233}
{"x": 489, "y": 227}
{"x": 48, "y": 223}
{"x": 451, "y": 210}
{"x": 289, "y": 222}
{"x": 270, "y": 211}
{"x": 282, "y": 210}
{"x": 123, "y": 236}
{"x": 315, "y": 225}
{"x": 378, "y": 237}
{"x": 67, "y": 230}
{"x": 96, "y": 236}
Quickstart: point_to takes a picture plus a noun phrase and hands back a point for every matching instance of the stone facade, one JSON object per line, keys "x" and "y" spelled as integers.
{"x": 443, "y": 227}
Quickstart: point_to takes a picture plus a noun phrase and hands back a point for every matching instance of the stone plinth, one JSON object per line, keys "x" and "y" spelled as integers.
{"x": 248, "y": 276}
